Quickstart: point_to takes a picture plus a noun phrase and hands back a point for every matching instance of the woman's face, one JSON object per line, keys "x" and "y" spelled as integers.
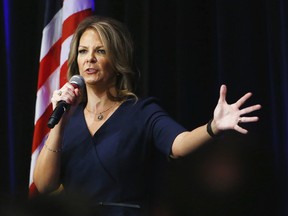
{"x": 92, "y": 59}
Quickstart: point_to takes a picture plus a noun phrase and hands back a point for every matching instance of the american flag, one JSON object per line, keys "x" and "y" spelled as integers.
{"x": 61, "y": 19}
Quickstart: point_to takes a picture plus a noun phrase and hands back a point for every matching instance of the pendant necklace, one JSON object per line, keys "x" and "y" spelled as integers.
{"x": 100, "y": 115}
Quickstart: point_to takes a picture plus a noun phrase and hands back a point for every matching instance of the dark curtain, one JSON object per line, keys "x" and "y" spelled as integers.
{"x": 185, "y": 51}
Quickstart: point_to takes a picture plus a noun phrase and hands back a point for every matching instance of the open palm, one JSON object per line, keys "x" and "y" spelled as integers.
{"x": 228, "y": 116}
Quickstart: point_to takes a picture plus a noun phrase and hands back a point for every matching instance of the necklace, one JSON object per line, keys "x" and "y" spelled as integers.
{"x": 100, "y": 114}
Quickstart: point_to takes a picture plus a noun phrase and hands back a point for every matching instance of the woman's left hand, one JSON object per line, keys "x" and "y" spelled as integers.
{"x": 228, "y": 116}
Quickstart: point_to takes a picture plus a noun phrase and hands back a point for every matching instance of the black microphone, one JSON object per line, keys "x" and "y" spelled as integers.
{"x": 78, "y": 82}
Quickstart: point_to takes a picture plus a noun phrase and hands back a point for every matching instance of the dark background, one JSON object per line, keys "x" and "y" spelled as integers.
{"x": 185, "y": 51}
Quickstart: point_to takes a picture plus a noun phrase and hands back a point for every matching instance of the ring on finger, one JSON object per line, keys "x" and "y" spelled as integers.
{"x": 59, "y": 93}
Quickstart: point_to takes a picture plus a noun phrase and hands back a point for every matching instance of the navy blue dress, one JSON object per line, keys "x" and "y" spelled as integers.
{"x": 112, "y": 167}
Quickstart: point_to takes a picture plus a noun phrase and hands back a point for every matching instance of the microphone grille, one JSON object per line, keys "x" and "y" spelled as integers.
{"x": 77, "y": 80}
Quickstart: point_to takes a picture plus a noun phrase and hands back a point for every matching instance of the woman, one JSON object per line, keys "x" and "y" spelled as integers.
{"x": 103, "y": 147}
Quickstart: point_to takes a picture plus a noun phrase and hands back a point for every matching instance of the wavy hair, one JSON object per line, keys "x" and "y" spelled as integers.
{"x": 119, "y": 46}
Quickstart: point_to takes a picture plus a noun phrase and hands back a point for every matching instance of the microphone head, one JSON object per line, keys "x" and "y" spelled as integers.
{"x": 77, "y": 81}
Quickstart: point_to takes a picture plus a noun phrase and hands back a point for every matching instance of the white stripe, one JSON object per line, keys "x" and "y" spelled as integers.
{"x": 51, "y": 34}
{"x": 34, "y": 157}
{"x": 73, "y": 6}
{"x": 65, "y": 50}
{"x": 45, "y": 92}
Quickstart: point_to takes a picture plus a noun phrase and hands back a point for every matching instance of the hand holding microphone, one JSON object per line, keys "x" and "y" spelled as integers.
{"x": 77, "y": 82}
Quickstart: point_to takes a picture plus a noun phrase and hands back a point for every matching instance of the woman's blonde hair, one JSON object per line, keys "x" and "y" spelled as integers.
{"x": 118, "y": 44}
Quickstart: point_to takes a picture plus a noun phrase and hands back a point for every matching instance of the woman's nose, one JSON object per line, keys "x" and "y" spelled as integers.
{"x": 91, "y": 59}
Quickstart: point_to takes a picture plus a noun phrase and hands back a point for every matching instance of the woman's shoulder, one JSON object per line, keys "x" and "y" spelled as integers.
{"x": 143, "y": 101}
{"x": 148, "y": 105}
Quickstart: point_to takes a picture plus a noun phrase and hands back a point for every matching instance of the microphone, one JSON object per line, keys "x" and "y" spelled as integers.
{"x": 78, "y": 82}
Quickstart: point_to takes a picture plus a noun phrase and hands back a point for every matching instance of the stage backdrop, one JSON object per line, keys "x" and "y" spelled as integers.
{"x": 185, "y": 51}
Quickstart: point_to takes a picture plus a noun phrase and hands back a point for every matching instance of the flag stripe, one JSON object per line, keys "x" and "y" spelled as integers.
{"x": 41, "y": 128}
{"x": 51, "y": 8}
{"x": 49, "y": 63}
{"x": 74, "y": 6}
{"x": 70, "y": 24}
{"x": 51, "y": 34}
{"x": 44, "y": 94}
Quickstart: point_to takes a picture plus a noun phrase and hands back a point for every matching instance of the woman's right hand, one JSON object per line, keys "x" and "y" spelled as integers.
{"x": 67, "y": 93}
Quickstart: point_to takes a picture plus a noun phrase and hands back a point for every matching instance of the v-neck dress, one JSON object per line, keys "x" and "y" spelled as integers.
{"x": 114, "y": 164}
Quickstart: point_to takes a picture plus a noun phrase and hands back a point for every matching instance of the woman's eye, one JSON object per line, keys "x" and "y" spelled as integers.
{"x": 101, "y": 51}
{"x": 82, "y": 51}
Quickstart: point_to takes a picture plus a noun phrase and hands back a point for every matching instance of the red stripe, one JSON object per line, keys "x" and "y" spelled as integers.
{"x": 41, "y": 128}
{"x": 49, "y": 63}
{"x": 71, "y": 23}
{"x": 63, "y": 73}
{"x": 33, "y": 191}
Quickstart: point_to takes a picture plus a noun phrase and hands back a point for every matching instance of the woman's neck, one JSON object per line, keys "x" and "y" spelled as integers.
{"x": 97, "y": 101}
